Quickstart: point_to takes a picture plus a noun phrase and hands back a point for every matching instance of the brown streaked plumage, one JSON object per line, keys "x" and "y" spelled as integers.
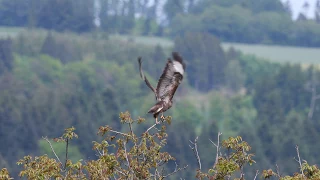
{"x": 167, "y": 85}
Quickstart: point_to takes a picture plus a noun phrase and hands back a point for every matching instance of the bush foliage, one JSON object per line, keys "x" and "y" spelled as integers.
{"x": 127, "y": 155}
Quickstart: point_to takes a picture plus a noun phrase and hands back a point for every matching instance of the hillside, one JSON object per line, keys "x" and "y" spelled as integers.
{"x": 273, "y": 53}
{"x": 51, "y": 81}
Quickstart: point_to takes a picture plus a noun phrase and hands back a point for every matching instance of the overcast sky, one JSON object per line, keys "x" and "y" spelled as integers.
{"x": 297, "y": 7}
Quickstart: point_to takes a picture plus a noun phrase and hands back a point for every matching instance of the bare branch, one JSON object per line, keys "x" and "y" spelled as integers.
{"x": 255, "y": 177}
{"x": 126, "y": 155}
{"x": 217, "y": 146}
{"x": 195, "y": 150}
{"x": 130, "y": 126}
{"x": 67, "y": 147}
{"x": 120, "y": 172}
{"x": 176, "y": 169}
{"x": 117, "y": 132}
{"x": 299, "y": 160}
{"x": 278, "y": 170}
{"x": 46, "y": 138}
{"x": 150, "y": 128}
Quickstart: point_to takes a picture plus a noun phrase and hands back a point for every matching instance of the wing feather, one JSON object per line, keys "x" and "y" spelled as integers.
{"x": 170, "y": 78}
{"x": 145, "y": 78}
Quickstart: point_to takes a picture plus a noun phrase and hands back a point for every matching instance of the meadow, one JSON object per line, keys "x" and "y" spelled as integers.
{"x": 9, "y": 31}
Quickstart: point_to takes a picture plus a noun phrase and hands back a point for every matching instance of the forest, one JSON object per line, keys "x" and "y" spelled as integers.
{"x": 64, "y": 69}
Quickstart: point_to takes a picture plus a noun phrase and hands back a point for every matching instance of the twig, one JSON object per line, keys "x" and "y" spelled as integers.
{"x": 156, "y": 173}
{"x": 67, "y": 145}
{"x": 299, "y": 161}
{"x": 255, "y": 177}
{"x": 150, "y": 128}
{"x": 217, "y": 146}
{"x": 46, "y": 138}
{"x": 130, "y": 126}
{"x": 125, "y": 151}
{"x": 278, "y": 171}
{"x": 195, "y": 150}
{"x": 117, "y": 132}
{"x": 176, "y": 169}
{"x": 120, "y": 171}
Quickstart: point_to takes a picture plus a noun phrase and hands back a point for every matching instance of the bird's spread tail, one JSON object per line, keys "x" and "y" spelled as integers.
{"x": 156, "y": 108}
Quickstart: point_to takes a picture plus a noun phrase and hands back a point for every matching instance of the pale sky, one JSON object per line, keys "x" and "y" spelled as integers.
{"x": 296, "y": 6}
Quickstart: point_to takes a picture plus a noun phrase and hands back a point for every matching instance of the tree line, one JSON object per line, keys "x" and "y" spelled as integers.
{"x": 245, "y": 21}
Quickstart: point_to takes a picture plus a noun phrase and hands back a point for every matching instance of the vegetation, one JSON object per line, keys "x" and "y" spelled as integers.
{"x": 55, "y": 79}
{"x": 85, "y": 86}
{"x": 274, "y": 53}
{"x": 125, "y": 155}
{"x": 244, "y": 21}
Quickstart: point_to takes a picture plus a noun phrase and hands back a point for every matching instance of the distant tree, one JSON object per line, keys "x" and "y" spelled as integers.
{"x": 56, "y": 14}
{"x": 173, "y": 7}
{"x": 191, "y": 4}
{"x": 14, "y": 13}
{"x": 288, "y": 7}
{"x": 158, "y": 56}
{"x": 303, "y": 15}
{"x": 6, "y": 55}
{"x": 82, "y": 19}
{"x": 49, "y": 45}
{"x": 206, "y": 57}
{"x": 63, "y": 15}
{"x": 60, "y": 48}
{"x": 118, "y": 16}
{"x": 256, "y": 6}
{"x": 305, "y": 7}
{"x": 146, "y": 26}
{"x": 234, "y": 76}
{"x": 317, "y": 12}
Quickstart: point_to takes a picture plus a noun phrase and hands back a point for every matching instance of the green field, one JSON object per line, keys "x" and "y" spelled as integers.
{"x": 279, "y": 53}
{"x": 9, "y": 31}
{"x": 147, "y": 40}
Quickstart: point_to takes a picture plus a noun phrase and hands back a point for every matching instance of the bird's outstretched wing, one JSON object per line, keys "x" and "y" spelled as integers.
{"x": 145, "y": 78}
{"x": 171, "y": 77}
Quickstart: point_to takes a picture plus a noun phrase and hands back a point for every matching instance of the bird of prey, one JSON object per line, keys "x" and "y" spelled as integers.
{"x": 167, "y": 85}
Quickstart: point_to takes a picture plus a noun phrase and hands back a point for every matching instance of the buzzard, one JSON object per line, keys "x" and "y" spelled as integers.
{"x": 167, "y": 85}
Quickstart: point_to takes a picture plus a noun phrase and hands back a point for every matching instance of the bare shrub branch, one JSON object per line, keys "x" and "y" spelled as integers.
{"x": 217, "y": 147}
{"x": 55, "y": 154}
{"x": 195, "y": 150}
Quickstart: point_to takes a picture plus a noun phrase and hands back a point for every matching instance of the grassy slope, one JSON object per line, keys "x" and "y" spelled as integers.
{"x": 279, "y": 53}
{"x": 9, "y": 31}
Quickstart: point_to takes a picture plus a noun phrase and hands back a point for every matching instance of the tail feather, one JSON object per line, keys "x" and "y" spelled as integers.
{"x": 156, "y": 108}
